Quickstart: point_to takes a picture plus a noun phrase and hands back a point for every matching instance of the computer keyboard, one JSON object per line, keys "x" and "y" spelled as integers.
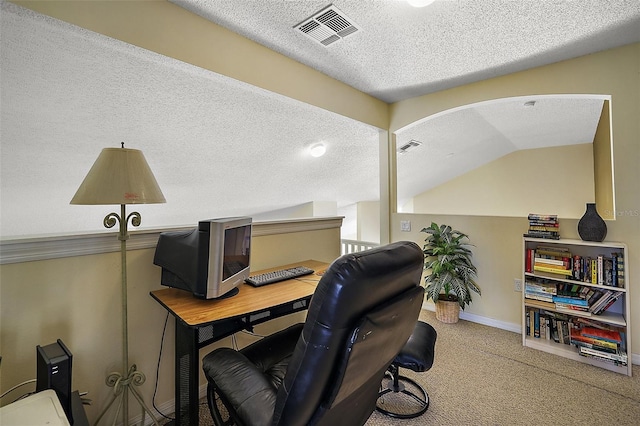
{"x": 277, "y": 276}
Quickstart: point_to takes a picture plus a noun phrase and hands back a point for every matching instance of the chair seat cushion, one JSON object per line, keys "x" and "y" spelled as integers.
{"x": 417, "y": 354}
{"x": 248, "y": 380}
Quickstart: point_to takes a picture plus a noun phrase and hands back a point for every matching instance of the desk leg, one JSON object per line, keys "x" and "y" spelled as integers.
{"x": 187, "y": 375}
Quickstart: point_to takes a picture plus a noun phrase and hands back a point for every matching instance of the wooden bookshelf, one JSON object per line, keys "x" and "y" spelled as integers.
{"x": 542, "y": 295}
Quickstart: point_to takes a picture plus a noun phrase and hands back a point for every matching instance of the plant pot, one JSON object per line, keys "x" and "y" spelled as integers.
{"x": 447, "y": 311}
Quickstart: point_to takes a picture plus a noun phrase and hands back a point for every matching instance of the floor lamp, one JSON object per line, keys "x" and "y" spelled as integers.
{"x": 121, "y": 176}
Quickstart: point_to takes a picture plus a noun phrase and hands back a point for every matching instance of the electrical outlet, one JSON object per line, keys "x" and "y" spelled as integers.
{"x": 517, "y": 284}
{"x": 405, "y": 225}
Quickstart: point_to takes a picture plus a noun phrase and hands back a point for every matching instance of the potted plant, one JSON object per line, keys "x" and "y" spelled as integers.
{"x": 450, "y": 277}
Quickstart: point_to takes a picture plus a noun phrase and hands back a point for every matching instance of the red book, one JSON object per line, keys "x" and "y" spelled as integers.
{"x": 596, "y": 333}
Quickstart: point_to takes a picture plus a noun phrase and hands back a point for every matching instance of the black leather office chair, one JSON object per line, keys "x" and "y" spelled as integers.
{"x": 328, "y": 370}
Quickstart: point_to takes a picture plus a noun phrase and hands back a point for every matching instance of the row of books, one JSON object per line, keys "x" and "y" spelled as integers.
{"x": 543, "y": 226}
{"x": 571, "y": 298}
{"x": 558, "y": 261}
{"x": 592, "y": 339}
{"x": 601, "y": 269}
{"x": 549, "y": 259}
{"x": 543, "y": 324}
{"x": 603, "y": 345}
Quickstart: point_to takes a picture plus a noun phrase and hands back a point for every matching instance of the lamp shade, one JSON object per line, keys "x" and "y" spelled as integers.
{"x": 119, "y": 176}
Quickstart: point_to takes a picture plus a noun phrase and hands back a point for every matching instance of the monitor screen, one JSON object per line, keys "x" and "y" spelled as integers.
{"x": 236, "y": 250}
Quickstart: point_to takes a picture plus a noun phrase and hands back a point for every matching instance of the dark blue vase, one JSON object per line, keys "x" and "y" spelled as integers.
{"x": 591, "y": 226}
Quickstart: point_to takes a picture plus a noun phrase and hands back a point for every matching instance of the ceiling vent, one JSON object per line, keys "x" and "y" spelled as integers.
{"x": 409, "y": 146}
{"x": 327, "y": 26}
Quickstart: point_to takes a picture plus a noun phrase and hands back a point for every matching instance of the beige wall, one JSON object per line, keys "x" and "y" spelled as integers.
{"x": 77, "y": 299}
{"x": 369, "y": 221}
{"x": 603, "y": 168}
{"x": 555, "y": 180}
{"x": 498, "y": 240}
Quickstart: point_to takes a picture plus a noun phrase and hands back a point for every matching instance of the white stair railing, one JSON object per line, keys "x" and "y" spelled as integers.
{"x": 354, "y": 246}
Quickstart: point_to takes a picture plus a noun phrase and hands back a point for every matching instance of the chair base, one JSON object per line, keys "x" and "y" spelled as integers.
{"x": 397, "y": 386}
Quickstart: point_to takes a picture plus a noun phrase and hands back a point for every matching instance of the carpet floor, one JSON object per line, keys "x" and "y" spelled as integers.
{"x": 484, "y": 376}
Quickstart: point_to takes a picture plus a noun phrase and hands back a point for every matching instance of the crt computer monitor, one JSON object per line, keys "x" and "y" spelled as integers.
{"x": 210, "y": 261}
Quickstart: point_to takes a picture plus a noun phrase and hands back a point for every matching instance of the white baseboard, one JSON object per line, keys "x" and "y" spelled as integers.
{"x": 503, "y": 325}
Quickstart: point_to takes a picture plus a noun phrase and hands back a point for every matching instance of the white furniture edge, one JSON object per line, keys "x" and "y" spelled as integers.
{"x": 635, "y": 358}
{"x": 53, "y": 247}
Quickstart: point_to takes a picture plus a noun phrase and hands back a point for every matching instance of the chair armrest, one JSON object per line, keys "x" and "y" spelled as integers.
{"x": 243, "y": 385}
{"x": 272, "y": 349}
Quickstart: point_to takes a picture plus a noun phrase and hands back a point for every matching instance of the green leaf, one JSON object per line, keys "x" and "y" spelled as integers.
{"x": 448, "y": 264}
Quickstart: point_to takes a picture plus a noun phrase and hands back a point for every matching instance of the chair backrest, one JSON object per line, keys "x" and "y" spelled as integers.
{"x": 360, "y": 316}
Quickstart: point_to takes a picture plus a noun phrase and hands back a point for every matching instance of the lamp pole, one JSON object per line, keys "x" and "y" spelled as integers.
{"x": 122, "y": 384}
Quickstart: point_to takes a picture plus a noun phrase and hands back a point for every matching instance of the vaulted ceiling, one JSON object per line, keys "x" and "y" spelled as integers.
{"x": 221, "y": 147}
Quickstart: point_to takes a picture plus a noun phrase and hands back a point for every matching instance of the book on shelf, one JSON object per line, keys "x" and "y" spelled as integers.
{"x": 620, "y": 270}
{"x": 607, "y": 271}
{"x": 573, "y": 310}
{"x": 578, "y": 337}
{"x": 577, "y": 268}
{"x": 588, "y": 322}
{"x": 552, "y": 270}
{"x": 542, "y": 234}
{"x": 618, "y": 358}
{"x": 539, "y": 298}
{"x": 554, "y": 250}
{"x": 554, "y": 330}
{"x": 560, "y": 267}
{"x": 600, "y": 271}
{"x": 542, "y": 217}
{"x": 540, "y": 285}
{"x": 600, "y": 334}
{"x": 548, "y": 260}
{"x": 543, "y": 304}
{"x": 568, "y": 300}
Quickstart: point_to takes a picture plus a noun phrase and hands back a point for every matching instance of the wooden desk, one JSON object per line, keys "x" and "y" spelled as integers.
{"x": 202, "y": 322}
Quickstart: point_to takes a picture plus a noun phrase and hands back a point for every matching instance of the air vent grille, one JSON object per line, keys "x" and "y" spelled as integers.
{"x": 327, "y": 26}
{"x": 411, "y": 145}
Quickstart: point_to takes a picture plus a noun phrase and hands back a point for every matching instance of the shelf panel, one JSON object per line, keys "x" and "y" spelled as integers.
{"x": 606, "y": 317}
{"x": 557, "y": 277}
{"x": 571, "y": 242}
{"x": 571, "y": 352}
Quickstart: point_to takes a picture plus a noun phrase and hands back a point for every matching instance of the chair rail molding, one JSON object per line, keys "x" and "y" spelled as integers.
{"x": 30, "y": 249}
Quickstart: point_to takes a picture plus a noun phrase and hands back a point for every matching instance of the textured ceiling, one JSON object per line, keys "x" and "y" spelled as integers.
{"x": 401, "y": 52}
{"x": 219, "y": 147}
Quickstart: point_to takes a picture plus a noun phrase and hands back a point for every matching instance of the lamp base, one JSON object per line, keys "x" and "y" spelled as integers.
{"x": 121, "y": 386}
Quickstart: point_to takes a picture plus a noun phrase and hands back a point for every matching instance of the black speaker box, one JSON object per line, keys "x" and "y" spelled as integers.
{"x": 53, "y": 363}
